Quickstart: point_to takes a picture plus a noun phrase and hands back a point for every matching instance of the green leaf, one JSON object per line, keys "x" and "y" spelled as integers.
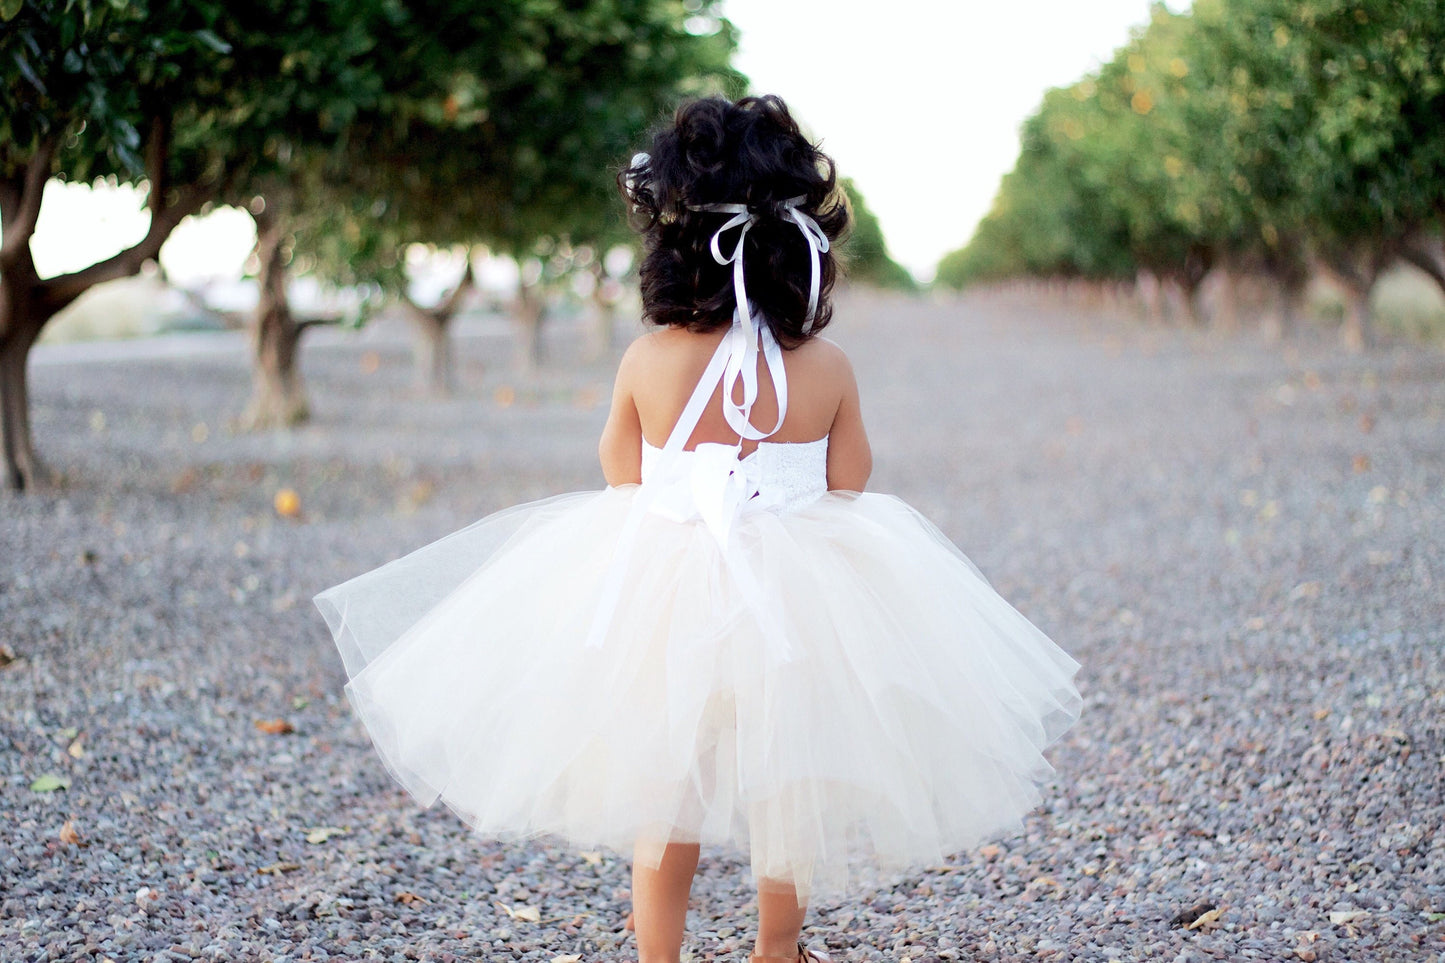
{"x": 28, "y": 72}
{"x": 10, "y": 9}
{"x": 49, "y": 783}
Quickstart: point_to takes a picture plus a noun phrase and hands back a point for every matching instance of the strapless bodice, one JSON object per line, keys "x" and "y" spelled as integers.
{"x": 777, "y": 476}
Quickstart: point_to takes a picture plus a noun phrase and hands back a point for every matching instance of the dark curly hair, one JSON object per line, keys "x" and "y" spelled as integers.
{"x": 716, "y": 151}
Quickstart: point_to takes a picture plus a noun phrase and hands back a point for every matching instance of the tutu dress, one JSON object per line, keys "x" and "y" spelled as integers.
{"x": 728, "y": 653}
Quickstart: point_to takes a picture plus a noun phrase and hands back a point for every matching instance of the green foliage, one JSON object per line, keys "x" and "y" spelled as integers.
{"x": 866, "y": 252}
{"x": 1255, "y": 129}
{"x": 504, "y": 124}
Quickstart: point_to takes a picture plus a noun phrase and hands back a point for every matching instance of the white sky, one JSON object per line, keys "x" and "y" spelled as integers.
{"x": 919, "y": 101}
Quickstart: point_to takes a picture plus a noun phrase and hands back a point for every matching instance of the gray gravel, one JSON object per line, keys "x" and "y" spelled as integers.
{"x": 1244, "y": 545}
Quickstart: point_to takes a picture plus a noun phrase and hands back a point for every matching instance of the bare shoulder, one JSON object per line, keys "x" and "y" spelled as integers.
{"x": 825, "y": 360}
{"x": 641, "y": 354}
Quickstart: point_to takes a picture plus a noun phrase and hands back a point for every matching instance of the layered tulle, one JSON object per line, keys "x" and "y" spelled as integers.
{"x": 909, "y": 723}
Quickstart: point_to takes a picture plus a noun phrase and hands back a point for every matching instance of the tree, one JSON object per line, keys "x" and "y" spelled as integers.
{"x": 91, "y": 90}
{"x": 868, "y": 259}
{"x": 1253, "y": 134}
{"x": 196, "y": 101}
{"x": 506, "y": 127}
{"x": 1336, "y": 109}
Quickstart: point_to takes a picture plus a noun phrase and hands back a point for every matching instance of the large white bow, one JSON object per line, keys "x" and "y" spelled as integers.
{"x": 713, "y": 484}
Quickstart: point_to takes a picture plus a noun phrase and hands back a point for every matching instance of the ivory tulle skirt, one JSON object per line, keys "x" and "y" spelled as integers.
{"x": 908, "y": 724}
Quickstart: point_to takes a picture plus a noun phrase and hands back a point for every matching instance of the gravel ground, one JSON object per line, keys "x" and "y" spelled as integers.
{"x": 1245, "y": 546}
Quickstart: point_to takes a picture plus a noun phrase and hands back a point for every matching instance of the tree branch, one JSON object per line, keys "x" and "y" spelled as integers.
{"x": 17, "y": 233}
{"x": 443, "y": 311}
{"x": 158, "y": 152}
{"x": 453, "y": 301}
{"x": 65, "y": 288}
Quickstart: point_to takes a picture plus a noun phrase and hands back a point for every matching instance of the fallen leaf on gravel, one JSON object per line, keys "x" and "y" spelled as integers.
{"x": 568, "y": 958}
{"x": 7, "y": 656}
{"x": 320, "y": 834}
{"x": 275, "y": 727}
{"x": 75, "y": 749}
{"x": 591, "y": 858}
{"x": 287, "y": 503}
{"x": 185, "y": 482}
{"x": 69, "y": 835}
{"x": 1191, "y": 914}
{"x": 408, "y": 898}
{"x": 1341, "y": 917}
{"x": 147, "y": 899}
{"x": 1206, "y": 921}
{"x": 49, "y": 783}
{"x": 276, "y": 869}
{"x": 1434, "y": 917}
{"x": 526, "y": 914}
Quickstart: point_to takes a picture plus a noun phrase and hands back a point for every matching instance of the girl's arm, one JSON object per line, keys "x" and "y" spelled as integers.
{"x": 620, "y": 449}
{"x": 850, "y": 460}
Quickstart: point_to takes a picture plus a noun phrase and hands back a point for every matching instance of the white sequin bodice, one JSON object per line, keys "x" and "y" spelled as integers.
{"x": 785, "y": 475}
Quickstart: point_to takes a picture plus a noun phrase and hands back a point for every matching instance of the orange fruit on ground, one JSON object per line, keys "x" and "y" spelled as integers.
{"x": 288, "y": 503}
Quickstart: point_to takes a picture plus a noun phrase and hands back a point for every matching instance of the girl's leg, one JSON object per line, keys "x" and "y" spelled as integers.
{"x": 659, "y": 902}
{"x": 780, "y": 919}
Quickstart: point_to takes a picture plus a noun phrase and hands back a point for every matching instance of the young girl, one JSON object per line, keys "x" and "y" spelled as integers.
{"x": 730, "y": 644}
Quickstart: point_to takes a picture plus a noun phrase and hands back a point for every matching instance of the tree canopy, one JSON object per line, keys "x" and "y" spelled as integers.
{"x": 372, "y": 122}
{"x": 1256, "y": 132}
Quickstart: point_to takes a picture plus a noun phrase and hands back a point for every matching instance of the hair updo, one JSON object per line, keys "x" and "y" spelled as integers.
{"x": 750, "y": 152}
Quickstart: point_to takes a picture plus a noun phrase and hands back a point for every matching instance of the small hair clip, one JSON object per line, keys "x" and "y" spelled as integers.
{"x": 639, "y": 162}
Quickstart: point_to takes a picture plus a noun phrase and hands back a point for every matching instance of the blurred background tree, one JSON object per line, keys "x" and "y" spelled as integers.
{"x": 503, "y": 125}
{"x": 348, "y": 130}
{"x": 1264, "y": 137}
{"x": 97, "y": 90}
{"x": 867, "y": 257}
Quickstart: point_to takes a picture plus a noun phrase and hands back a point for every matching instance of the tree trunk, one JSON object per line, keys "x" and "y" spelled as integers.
{"x": 432, "y": 355}
{"x": 432, "y": 351}
{"x": 531, "y": 312}
{"x": 1185, "y": 294}
{"x": 1152, "y": 294}
{"x": 1426, "y": 250}
{"x": 23, "y": 313}
{"x": 603, "y": 316}
{"x": 278, "y": 399}
{"x": 1357, "y": 334}
{"x": 1285, "y": 266}
{"x": 1226, "y": 318}
{"x": 1356, "y": 270}
{"x": 22, "y": 466}
{"x": 27, "y": 303}
{"x": 1282, "y": 320}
